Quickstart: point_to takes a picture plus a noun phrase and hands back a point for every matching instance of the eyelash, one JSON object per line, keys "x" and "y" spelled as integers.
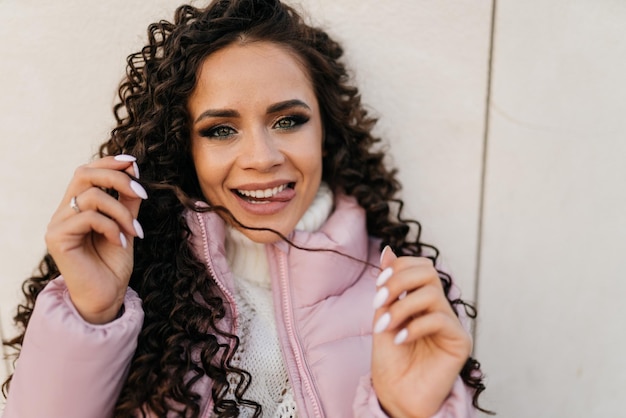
{"x": 296, "y": 120}
{"x": 213, "y": 131}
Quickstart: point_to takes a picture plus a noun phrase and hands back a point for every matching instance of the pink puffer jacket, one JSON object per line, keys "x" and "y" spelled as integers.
{"x": 72, "y": 369}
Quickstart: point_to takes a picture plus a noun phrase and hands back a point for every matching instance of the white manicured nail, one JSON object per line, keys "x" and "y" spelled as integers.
{"x": 401, "y": 336}
{"x": 138, "y": 189}
{"x": 125, "y": 158}
{"x": 387, "y": 248}
{"x": 384, "y": 276}
{"x": 136, "y": 168}
{"x": 123, "y": 239}
{"x": 381, "y": 297}
{"x": 382, "y": 323}
{"x": 138, "y": 228}
{"x": 402, "y": 295}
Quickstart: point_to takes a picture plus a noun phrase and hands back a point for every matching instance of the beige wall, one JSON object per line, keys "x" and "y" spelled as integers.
{"x": 548, "y": 258}
{"x": 553, "y": 261}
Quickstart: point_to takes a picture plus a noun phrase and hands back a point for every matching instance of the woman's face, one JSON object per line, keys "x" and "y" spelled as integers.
{"x": 256, "y": 136}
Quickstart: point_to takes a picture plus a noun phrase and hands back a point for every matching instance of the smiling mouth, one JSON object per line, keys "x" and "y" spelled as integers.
{"x": 262, "y": 196}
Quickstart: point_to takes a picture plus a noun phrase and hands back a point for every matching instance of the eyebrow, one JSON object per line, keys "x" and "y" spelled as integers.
{"x": 230, "y": 113}
{"x": 288, "y": 104}
{"x": 217, "y": 113}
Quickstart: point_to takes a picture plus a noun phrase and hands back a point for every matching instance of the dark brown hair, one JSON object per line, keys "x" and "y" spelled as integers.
{"x": 181, "y": 303}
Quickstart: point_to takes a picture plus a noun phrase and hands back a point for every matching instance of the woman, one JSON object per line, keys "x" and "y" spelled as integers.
{"x": 263, "y": 278}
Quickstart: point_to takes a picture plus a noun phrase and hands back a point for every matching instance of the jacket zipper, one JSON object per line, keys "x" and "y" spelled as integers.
{"x": 225, "y": 291}
{"x": 209, "y": 262}
{"x": 300, "y": 361}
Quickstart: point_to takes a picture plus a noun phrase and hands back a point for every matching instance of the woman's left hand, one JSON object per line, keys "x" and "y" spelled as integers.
{"x": 419, "y": 344}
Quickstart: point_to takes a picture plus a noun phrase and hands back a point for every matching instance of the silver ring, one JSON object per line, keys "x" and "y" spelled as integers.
{"x": 74, "y": 205}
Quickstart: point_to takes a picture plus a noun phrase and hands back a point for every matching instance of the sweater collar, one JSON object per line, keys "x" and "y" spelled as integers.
{"x": 248, "y": 259}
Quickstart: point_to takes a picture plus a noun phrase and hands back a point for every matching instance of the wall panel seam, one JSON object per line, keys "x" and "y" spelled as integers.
{"x": 483, "y": 174}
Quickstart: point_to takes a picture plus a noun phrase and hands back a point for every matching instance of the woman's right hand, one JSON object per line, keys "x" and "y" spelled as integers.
{"x": 91, "y": 242}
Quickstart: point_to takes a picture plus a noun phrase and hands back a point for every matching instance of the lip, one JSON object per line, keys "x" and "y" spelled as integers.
{"x": 265, "y": 206}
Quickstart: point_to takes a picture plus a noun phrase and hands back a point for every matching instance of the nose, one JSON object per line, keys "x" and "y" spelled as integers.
{"x": 260, "y": 151}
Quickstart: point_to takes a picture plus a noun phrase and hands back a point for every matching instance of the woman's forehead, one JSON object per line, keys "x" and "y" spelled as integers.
{"x": 251, "y": 72}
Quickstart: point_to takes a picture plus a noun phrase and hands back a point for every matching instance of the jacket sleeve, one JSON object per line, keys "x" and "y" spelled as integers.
{"x": 458, "y": 404}
{"x": 68, "y": 367}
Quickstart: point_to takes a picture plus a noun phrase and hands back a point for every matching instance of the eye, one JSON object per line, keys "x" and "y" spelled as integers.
{"x": 290, "y": 122}
{"x": 221, "y": 131}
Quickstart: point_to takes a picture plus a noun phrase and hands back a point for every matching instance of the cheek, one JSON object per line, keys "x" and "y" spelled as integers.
{"x": 311, "y": 159}
{"x": 317, "y": 161}
{"x": 308, "y": 162}
{"x": 312, "y": 169}
{"x": 208, "y": 170}
{"x": 317, "y": 165}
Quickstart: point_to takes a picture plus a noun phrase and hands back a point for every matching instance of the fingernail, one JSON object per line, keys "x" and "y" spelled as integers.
{"x": 125, "y": 158}
{"x": 384, "y": 276}
{"x": 382, "y": 323}
{"x": 123, "y": 240}
{"x": 138, "y": 228}
{"x": 387, "y": 248}
{"x": 381, "y": 297}
{"x": 402, "y": 295}
{"x": 136, "y": 168}
{"x": 401, "y": 336}
{"x": 138, "y": 189}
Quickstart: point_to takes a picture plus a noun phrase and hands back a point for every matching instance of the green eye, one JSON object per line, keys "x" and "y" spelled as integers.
{"x": 222, "y": 131}
{"x": 290, "y": 122}
{"x": 285, "y": 123}
{"x": 218, "y": 132}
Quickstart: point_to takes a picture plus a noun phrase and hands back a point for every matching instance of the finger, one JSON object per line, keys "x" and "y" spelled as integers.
{"x": 69, "y": 235}
{"x": 97, "y": 200}
{"x": 436, "y": 323}
{"x": 427, "y": 299}
{"x": 404, "y": 275}
{"x": 387, "y": 257}
{"x": 381, "y": 318}
{"x": 115, "y": 172}
{"x": 133, "y": 169}
{"x": 392, "y": 265}
{"x": 131, "y": 203}
{"x": 118, "y": 162}
{"x": 122, "y": 163}
{"x": 86, "y": 177}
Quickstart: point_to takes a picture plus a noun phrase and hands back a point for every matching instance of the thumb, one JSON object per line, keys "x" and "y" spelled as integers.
{"x": 387, "y": 257}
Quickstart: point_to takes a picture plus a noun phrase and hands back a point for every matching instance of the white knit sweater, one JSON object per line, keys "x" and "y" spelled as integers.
{"x": 259, "y": 351}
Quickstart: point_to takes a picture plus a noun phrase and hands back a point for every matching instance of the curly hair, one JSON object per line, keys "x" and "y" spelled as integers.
{"x": 181, "y": 301}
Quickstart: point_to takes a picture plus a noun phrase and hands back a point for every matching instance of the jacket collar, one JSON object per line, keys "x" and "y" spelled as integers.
{"x": 313, "y": 274}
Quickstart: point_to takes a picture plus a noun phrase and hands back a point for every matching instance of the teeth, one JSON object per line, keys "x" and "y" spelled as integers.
{"x": 262, "y": 194}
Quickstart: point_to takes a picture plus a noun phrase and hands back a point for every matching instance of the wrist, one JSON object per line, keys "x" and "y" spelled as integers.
{"x": 394, "y": 408}
{"x": 103, "y": 317}
{"x": 100, "y": 317}
{"x": 394, "y": 413}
